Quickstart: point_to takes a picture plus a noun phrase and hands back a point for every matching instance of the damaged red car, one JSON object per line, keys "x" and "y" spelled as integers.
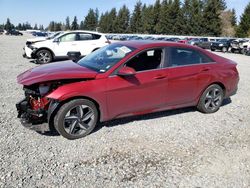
{"x": 123, "y": 79}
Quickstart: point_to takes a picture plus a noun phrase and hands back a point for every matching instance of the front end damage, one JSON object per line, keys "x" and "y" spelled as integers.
{"x": 35, "y": 109}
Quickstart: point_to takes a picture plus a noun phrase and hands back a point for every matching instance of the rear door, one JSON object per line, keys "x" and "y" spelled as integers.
{"x": 87, "y": 42}
{"x": 188, "y": 74}
{"x": 65, "y": 44}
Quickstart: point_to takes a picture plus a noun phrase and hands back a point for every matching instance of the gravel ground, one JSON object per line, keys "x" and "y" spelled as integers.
{"x": 179, "y": 148}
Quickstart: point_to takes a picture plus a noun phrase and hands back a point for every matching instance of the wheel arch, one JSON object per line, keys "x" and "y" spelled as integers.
{"x": 212, "y": 83}
{"x": 45, "y": 48}
{"x": 51, "y": 115}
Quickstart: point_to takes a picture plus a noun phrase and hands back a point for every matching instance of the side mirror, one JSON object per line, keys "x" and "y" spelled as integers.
{"x": 74, "y": 56}
{"x": 126, "y": 71}
{"x": 56, "y": 40}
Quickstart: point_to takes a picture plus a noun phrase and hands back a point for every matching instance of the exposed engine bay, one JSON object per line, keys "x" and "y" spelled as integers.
{"x": 36, "y": 108}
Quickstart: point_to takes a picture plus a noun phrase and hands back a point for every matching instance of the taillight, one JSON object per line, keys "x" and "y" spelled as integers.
{"x": 107, "y": 41}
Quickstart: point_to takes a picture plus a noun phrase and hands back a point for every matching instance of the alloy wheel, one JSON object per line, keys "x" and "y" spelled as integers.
{"x": 79, "y": 120}
{"x": 213, "y": 99}
{"x": 44, "y": 57}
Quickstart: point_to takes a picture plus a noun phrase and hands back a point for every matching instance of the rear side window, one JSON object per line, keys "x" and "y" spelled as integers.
{"x": 185, "y": 56}
{"x": 95, "y": 36}
{"x": 85, "y": 36}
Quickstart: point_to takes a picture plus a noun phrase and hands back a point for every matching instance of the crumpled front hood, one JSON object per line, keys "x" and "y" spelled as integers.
{"x": 55, "y": 71}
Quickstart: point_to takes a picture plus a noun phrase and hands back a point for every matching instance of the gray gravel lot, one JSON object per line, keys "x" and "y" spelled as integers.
{"x": 179, "y": 148}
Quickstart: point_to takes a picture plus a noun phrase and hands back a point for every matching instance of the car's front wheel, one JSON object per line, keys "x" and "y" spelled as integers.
{"x": 76, "y": 119}
{"x": 44, "y": 56}
{"x": 211, "y": 99}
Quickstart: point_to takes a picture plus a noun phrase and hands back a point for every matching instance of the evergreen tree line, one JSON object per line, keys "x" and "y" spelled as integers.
{"x": 21, "y": 26}
{"x": 171, "y": 17}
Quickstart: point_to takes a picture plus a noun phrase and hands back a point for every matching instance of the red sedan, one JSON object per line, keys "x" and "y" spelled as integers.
{"x": 124, "y": 79}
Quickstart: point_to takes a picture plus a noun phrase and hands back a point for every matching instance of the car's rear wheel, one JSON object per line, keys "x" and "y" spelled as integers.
{"x": 44, "y": 56}
{"x": 212, "y": 49}
{"x": 211, "y": 99}
{"x": 76, "y": 118}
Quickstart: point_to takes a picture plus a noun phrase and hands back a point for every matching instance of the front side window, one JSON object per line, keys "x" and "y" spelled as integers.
{"x": 184, "y": 56}
{"x": 68, "y": 37}
{"x": 104, "y": 58}
{"x": 150, "y": 59}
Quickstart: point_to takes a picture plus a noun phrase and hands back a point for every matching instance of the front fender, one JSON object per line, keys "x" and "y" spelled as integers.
{"x": 93, "y": 90}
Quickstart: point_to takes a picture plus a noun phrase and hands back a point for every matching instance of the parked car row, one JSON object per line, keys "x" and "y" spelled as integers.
{"x": 231, "y": 45}
{"x": 13, "y": 32}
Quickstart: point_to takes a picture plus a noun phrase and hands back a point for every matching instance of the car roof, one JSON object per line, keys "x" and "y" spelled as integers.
{"x": 151, "y": 44}
{"x": 86, "y": 31}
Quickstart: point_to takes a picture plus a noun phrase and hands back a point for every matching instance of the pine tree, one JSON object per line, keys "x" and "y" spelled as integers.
{"x": 197, "y": 18}
{"x": 136, "y": 19}
{"x": 164, "y": 24}
{"x": 234, "y": 18}
{"x": 91, "y": 20}
{"x": 41, "y": 27}
{"x": 243, "y": 29}
{"x": 74, "y": 25}
{"x": 211, "y": 16}
{"x": 156, "y": 15}
{"x": 51, "y": 26}
{"x": 111, "y": 27}
{"x": 122, "y": 20}
{"x": 81, "y": 25}
{"x": 176, "y": 17}
{"x": 67, "y": 24}
{"x": 103, "y": 23}
{"x": 35, "y": 27}
{"x": 19, "y": 26}
{"x": 148, "y": 24}
{"x": 8, "y": 26}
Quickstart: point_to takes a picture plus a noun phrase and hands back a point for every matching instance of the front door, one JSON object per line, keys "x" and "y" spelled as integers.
{"x": 141, "y": 93}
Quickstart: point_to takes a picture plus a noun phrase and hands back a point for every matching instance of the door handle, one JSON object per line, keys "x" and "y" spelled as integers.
{"x": 205, "y": 69}
{"x": 73, "y": 44}
{"x": 158, "y": 77}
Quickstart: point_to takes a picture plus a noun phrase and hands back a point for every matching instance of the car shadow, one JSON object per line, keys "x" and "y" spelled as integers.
{"x": 125, "y": 120}
{"x": 155, "y": 115}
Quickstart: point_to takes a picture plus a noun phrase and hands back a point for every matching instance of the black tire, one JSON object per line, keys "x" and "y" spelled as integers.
{"x": 211, "y": 99}
{"x": 212, "y": 49}
{"x": 243, "y": 51}
{"x": 43, "y": 56}
{"x": 224, "y": 49}
{"x": 76, "y": 119}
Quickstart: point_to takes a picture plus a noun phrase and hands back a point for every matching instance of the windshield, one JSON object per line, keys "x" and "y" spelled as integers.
{"x": 222, "y": 40}
{"x": 103, "y": 59}
{"x": 54, "y": 35}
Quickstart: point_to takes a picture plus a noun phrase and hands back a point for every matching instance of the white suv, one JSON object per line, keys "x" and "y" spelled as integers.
{"x": 84, "y": 42}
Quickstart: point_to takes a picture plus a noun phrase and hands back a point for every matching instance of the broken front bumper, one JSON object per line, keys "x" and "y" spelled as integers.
{"x": 35, "y": 120}
{"x": 38, "y": 120}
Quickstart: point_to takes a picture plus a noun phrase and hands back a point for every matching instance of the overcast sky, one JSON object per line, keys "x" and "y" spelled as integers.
{"x": 44, "y": 11}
